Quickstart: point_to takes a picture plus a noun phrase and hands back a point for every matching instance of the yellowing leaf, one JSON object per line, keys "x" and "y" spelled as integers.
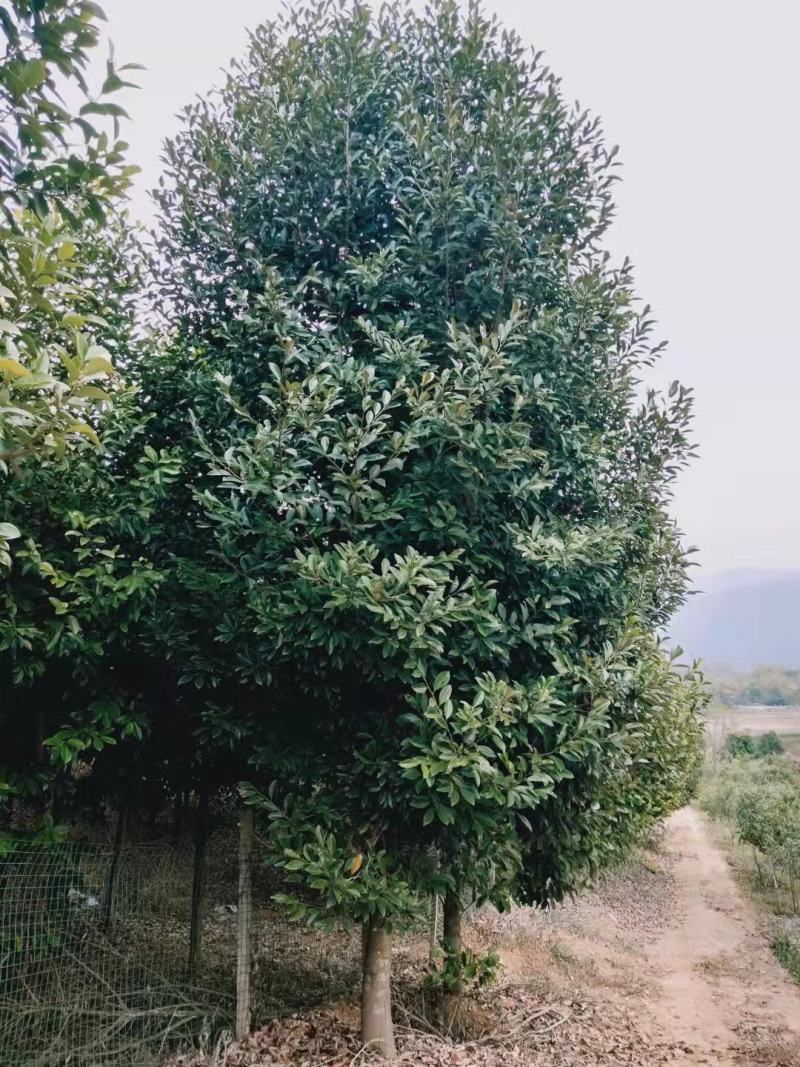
{"x": 355, "y": 866}
{"x": 92, "y": 392}
{"x": 11, "y": 369}
{"x": 86, "y": 430}
{"x": 97, "y": 365}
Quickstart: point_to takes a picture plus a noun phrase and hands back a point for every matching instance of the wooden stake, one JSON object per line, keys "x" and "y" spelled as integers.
{"x": 198, "y": 880}
{"x": 244, "y": 915}
{"x": 111, "y": 881}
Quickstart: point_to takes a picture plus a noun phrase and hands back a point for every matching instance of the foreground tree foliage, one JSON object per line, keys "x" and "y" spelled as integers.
{"x": 68, "y": 272}
{"x": 59, "y": 172}
{"x": 385, "y": 518}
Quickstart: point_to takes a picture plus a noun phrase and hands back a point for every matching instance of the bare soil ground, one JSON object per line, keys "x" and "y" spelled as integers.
{"x": 758, "y": 720}
{"x": 664, "y": 963}
{"x": 718, "y": 987}
{"x": 669, "y": 945}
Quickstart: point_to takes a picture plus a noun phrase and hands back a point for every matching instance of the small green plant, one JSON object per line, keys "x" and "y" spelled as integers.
{"x": 465, "y": 971}
{"x": 788, "y": 953}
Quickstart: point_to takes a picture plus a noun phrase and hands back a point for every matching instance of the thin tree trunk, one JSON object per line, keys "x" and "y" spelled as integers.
{"x": 244, "y": 914}
{"x": 377, "y": 1030}
{"x": 452, "y": 1001}
{"x": 151, "y": 823}
{"x": 198, "y": 880}
{"x": 433, "y": 929}
{"x": 119, "y": 836}
{"x": 758, "y": 868}
{"x": 451, "y": 933}
{"x": 40, "y": 751}
{"x": 176, "y": 827}
{"x": 40, "y": 756}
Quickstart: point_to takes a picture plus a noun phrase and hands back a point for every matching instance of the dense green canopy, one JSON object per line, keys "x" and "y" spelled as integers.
{"x": 383, "y": 525}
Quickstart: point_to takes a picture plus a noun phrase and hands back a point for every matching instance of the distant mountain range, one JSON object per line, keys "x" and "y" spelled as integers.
{"x": 742, "y": 619}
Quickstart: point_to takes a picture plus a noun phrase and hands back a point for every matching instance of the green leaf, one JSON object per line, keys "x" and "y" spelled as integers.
{"x": 34, "y": 73}
{"x": 441, "y": 680}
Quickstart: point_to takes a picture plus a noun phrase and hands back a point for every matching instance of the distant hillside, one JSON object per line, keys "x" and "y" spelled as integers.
{"x": 742, "y": 619}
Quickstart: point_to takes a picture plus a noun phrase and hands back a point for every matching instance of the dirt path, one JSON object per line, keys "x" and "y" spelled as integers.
{"x": 718, "y": 986}
{"x": 666, "y": 962}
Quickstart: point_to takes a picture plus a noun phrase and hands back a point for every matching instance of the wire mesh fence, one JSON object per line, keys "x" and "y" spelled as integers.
{"x": 85, "y": 972}
{"x": 95, "y": 953}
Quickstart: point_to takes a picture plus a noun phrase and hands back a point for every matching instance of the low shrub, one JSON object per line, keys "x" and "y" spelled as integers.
{"x": 787, "y": 951}
{"x": 759, "y": 798}
{"x": 739, "y": 745}
{"x": 769, "y": 744}
{"x": 743, "y": 746}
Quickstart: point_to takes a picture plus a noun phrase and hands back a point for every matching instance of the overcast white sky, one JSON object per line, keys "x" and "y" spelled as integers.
{"x": 702, "y": 96}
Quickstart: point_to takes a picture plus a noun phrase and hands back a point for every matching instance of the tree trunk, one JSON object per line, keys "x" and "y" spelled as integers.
{"x": 40, "y": 756}
{"x": 376, "y": 991}
{"x": 198, "y": 880}
{"x": 119, "y": 836}
{"x": 244, "y": 915}
{"x": 758, "y": 867}
{"x": 176, "y": 827}
{"x": 40, "y": 751}
{"x": 452, "y": 1000}
{"x": 433, "y": 924}
{"x": 433, "y": 929}
{"x": 364, "y": 945}
{"x": 451, "y": 933}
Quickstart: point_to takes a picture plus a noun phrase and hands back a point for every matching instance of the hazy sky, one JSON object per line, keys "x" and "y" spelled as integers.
{"x": 702, "y": 96}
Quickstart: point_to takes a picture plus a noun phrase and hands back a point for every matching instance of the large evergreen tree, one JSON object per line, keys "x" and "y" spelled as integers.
{"x": 386, "y": 520}
{"x": 433, "y": 514}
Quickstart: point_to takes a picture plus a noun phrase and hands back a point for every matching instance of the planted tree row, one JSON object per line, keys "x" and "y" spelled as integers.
{"x": 378, "y": 522}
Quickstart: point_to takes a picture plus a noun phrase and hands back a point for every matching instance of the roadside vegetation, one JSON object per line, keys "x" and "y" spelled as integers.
{"x": 753, "y": 790}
